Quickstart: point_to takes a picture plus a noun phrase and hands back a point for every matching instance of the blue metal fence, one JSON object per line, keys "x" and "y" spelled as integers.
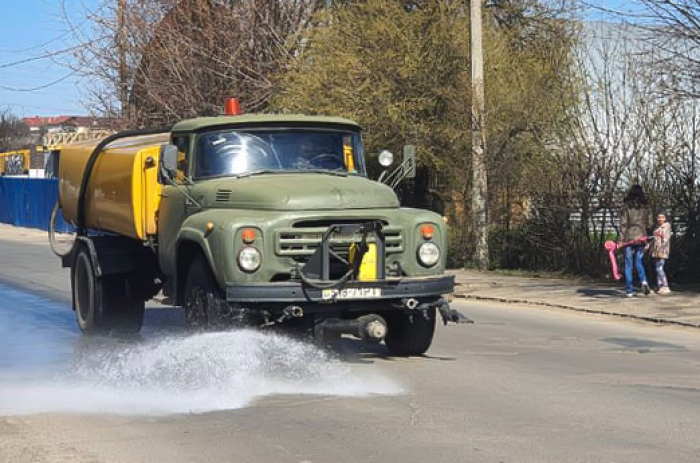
{"x": 28, "y": 202}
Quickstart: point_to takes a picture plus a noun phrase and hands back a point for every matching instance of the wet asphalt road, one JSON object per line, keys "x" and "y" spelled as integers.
{"x": 522, "y": 385}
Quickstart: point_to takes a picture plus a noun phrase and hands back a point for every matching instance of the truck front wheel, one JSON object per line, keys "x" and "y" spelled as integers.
{"x": 409, "y": 335}
{"x": 204, "y": 300}
{"x": 105, "y": 304}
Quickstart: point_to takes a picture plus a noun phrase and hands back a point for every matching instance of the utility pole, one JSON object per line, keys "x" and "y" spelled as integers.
{"x": 479, "y": 173}
{"x": 123, "y": 74}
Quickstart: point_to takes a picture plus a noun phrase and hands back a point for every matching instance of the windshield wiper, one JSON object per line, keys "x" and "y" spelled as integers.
{"x": 260, "y": 172}
{"x": 338, "y": 173}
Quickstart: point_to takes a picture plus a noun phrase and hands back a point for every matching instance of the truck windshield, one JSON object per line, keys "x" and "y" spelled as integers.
{"x": 227, "y": 153}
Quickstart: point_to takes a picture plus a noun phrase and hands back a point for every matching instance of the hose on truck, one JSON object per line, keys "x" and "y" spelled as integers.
{"x": 53, "y": 240}
{"x": 329, "y": 284}
{"x": 81, "y": 228}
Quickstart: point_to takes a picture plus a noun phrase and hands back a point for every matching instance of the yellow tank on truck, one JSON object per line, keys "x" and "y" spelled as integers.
{"x": 123, "y": 193}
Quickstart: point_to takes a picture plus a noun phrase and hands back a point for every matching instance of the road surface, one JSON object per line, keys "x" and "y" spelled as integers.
{"x": 521, "y": 385}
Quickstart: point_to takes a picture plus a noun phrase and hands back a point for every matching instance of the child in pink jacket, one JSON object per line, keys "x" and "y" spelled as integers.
{"x": 660, "y": 250}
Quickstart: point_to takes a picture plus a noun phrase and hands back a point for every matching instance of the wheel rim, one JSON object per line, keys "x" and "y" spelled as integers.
{"x": 83, "y": 288}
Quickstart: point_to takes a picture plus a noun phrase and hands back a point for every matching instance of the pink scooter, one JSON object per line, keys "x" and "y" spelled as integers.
{"x": 612, "y": 246}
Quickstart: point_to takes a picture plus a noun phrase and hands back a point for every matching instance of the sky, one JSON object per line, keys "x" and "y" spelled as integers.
{"x": 31, "y": 28}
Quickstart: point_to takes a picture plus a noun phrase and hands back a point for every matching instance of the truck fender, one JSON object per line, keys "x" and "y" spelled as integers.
{"x": 190, "y": 236}
{"x": 112, "y": 255}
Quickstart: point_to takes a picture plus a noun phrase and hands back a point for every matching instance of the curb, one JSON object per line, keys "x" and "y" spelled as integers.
{"x": 656, "y": 320}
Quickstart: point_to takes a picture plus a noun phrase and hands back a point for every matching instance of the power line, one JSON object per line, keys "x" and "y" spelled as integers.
{"x": 39, "y": 92}
{"x": 33, "y": 89}
{"x": 43, "y": 108}
{"x": 50, "y": 54}
{"x": 72, "y": 30}
{"x": 33, "y": 74}
{"x": 39, "y": 57}
{"x": 41, "y": 45}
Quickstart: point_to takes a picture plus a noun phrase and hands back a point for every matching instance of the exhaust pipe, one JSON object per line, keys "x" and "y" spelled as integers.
{"x": 372, "y": 328}
{"x": 411, "y": 303}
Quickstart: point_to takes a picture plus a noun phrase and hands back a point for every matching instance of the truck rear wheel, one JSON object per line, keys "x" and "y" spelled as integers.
{"x": 409, "y": 335}
{"x": 106, "y": 304}
{"x": 204, "y": 300}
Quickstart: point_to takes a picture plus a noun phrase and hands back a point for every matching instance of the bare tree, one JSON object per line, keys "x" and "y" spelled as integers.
{"x": 13, "y": 133}
{"x": 673, "y": 32}
{"x": 182, "y": 58}
{"x": 621, "y": 132}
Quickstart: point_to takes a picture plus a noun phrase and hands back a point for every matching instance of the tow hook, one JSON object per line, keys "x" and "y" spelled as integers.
{"x": 449, "y": 314}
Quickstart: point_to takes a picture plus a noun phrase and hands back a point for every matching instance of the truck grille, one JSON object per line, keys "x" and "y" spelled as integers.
{"x": 302, "y": 243}
{"x": 222, "y": 195}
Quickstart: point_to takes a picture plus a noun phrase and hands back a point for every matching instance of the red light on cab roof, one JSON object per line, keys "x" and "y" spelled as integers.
{"x": 232, "y": 107}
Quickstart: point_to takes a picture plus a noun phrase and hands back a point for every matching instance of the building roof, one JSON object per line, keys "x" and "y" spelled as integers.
{"x": 38, "y": 121}
{"x": 86, "y": 121}
{"x": 191, "y": 125}
{"x": 75, "y": 121}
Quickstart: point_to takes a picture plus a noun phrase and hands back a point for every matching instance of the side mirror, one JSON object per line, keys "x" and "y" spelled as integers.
{"x": 409, "y": 161}
{"x": 168, "y": 163}
{"x": 407, "y": 168}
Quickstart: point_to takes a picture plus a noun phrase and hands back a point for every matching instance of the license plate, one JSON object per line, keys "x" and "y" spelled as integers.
{"x": 352, "y": 293}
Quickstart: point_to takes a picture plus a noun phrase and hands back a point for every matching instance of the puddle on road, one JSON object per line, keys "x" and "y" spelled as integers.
{"x": 644, "y": 346}
{"x": 46, "y": 366}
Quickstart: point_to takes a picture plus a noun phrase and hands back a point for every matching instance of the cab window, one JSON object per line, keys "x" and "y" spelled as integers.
{"x": 232, "y": 153}
{"x": 235, "y": 153}
{"x": 183, "y": 158}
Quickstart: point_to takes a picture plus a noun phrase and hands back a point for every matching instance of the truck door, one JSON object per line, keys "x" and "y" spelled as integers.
{"x": 174, "y": 208}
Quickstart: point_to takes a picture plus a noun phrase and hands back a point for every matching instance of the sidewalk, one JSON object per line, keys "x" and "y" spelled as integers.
{"x": 680, "y": 307}
{"x": 23, "y": 235}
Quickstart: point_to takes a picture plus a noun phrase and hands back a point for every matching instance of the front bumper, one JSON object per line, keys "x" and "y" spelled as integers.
{"x": 293, "y": 292}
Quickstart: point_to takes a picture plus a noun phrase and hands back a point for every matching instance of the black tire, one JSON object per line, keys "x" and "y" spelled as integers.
{"x": 409, "y": 335}
{"x": 126, "y": 305}
{"x": 104, "y": 305}
{"x": 204, "y": 300}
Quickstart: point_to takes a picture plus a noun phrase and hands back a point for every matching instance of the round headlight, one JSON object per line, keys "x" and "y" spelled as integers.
{"x": 428, "y": 254}
{"x": 386, "y": 158}
{"x": 249, "y": 259}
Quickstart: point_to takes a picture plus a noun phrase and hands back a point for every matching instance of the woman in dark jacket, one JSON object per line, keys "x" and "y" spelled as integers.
{"x": 635, "y": 219}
